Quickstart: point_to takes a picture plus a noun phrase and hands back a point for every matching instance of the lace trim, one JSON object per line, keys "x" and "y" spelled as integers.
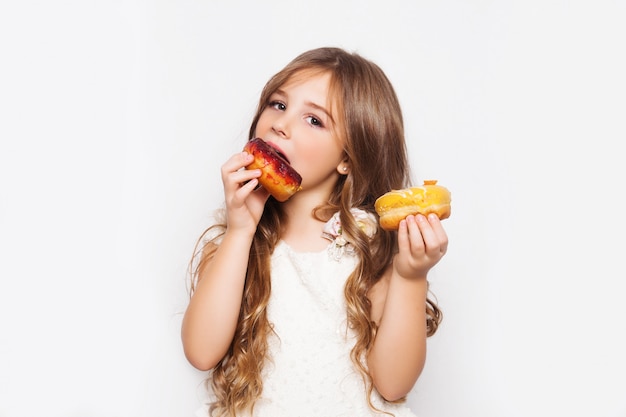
{"x": 333, "y": 232}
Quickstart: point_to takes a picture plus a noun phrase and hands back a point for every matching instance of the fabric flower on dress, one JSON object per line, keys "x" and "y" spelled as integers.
{"x": 333, "y": 232}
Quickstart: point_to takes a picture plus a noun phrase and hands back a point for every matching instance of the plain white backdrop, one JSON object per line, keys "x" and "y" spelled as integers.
{"x": 116, "y": 116}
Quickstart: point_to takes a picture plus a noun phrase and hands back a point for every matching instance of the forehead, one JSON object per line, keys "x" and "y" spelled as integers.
{"x": 319, "y": 79}
{"x": 322, "y": 81}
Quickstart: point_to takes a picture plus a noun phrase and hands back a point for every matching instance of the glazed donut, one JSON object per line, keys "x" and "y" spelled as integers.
{"x": 396, "y": 205}
{"x": 277, "y": 176}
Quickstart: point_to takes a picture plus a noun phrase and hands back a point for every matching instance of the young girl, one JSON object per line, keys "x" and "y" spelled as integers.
{"x": 308, "y": 307}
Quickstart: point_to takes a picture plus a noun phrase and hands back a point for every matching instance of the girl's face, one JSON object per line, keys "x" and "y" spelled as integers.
{"x": 298, "y": 122}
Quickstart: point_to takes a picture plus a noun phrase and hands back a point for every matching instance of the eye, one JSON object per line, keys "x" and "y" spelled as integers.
{"x": 315, "y": 121}
{"x": 278, "y": 105}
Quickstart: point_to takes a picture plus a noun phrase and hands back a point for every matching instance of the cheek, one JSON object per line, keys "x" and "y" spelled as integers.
{"x": 262, "y": 125}
{"x": 313, "y": 153}
{"x": 319, "y": 159}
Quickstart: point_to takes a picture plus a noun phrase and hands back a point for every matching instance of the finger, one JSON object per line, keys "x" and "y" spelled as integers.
{"x": 234, "y": 180}
{"x": 261, "y": 193}
{"x": 252, "y": 189}
{"x": 432, "y": 242}
{"x": 415, "y": 234}
{"x": 248, "y": 187}
{"x": 403, "y": 237}
{"x": 439, "y": 231}
{"x": 235, "y": 163}
{"x": 243, "y": 176}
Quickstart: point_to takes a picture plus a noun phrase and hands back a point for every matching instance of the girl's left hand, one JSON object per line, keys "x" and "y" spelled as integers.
{"x": 422, "y": 242}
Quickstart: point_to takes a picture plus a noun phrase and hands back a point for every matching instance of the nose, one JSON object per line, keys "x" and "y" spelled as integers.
{"x": 281, "y": 126}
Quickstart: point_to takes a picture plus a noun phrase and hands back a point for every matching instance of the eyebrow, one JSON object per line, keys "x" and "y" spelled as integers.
{"x": 322, "y": 109}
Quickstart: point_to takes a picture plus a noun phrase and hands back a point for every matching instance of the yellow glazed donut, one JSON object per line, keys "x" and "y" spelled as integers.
{"x": 396, "y": 205}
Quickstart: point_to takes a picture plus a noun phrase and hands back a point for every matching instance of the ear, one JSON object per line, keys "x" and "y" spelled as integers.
{"x": 344, "y": 167}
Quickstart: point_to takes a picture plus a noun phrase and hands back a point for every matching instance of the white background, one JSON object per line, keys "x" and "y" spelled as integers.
{"x": 116, "y": 115}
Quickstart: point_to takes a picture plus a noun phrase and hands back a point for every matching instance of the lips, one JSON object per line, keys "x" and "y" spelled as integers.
{"x": 275, "y": 149}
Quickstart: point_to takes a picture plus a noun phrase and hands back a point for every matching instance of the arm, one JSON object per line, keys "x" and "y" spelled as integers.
{"x": 211, "y": 317}
{"x": 399, "y": 307}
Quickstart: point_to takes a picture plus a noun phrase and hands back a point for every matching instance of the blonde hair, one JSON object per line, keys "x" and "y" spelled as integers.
{"x": 371, "y": 126}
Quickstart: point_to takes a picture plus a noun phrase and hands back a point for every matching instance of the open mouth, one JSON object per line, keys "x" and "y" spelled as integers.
{"x": 278, "y": 152}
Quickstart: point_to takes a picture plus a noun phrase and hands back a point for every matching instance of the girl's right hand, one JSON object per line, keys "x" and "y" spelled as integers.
{"x": 244, "y": 198}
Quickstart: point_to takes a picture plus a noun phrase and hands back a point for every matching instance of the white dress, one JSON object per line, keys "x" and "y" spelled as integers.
{"x": 311, "y": 373}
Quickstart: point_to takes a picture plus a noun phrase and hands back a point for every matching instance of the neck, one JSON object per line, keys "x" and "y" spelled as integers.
{"x": 302, "y": 230}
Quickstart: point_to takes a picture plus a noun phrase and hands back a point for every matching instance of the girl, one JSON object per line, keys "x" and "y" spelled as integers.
{"x": 307, "y": 307}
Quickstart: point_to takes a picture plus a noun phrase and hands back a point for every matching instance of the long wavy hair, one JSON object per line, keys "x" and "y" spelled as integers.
{"x": 371, "y": 128}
